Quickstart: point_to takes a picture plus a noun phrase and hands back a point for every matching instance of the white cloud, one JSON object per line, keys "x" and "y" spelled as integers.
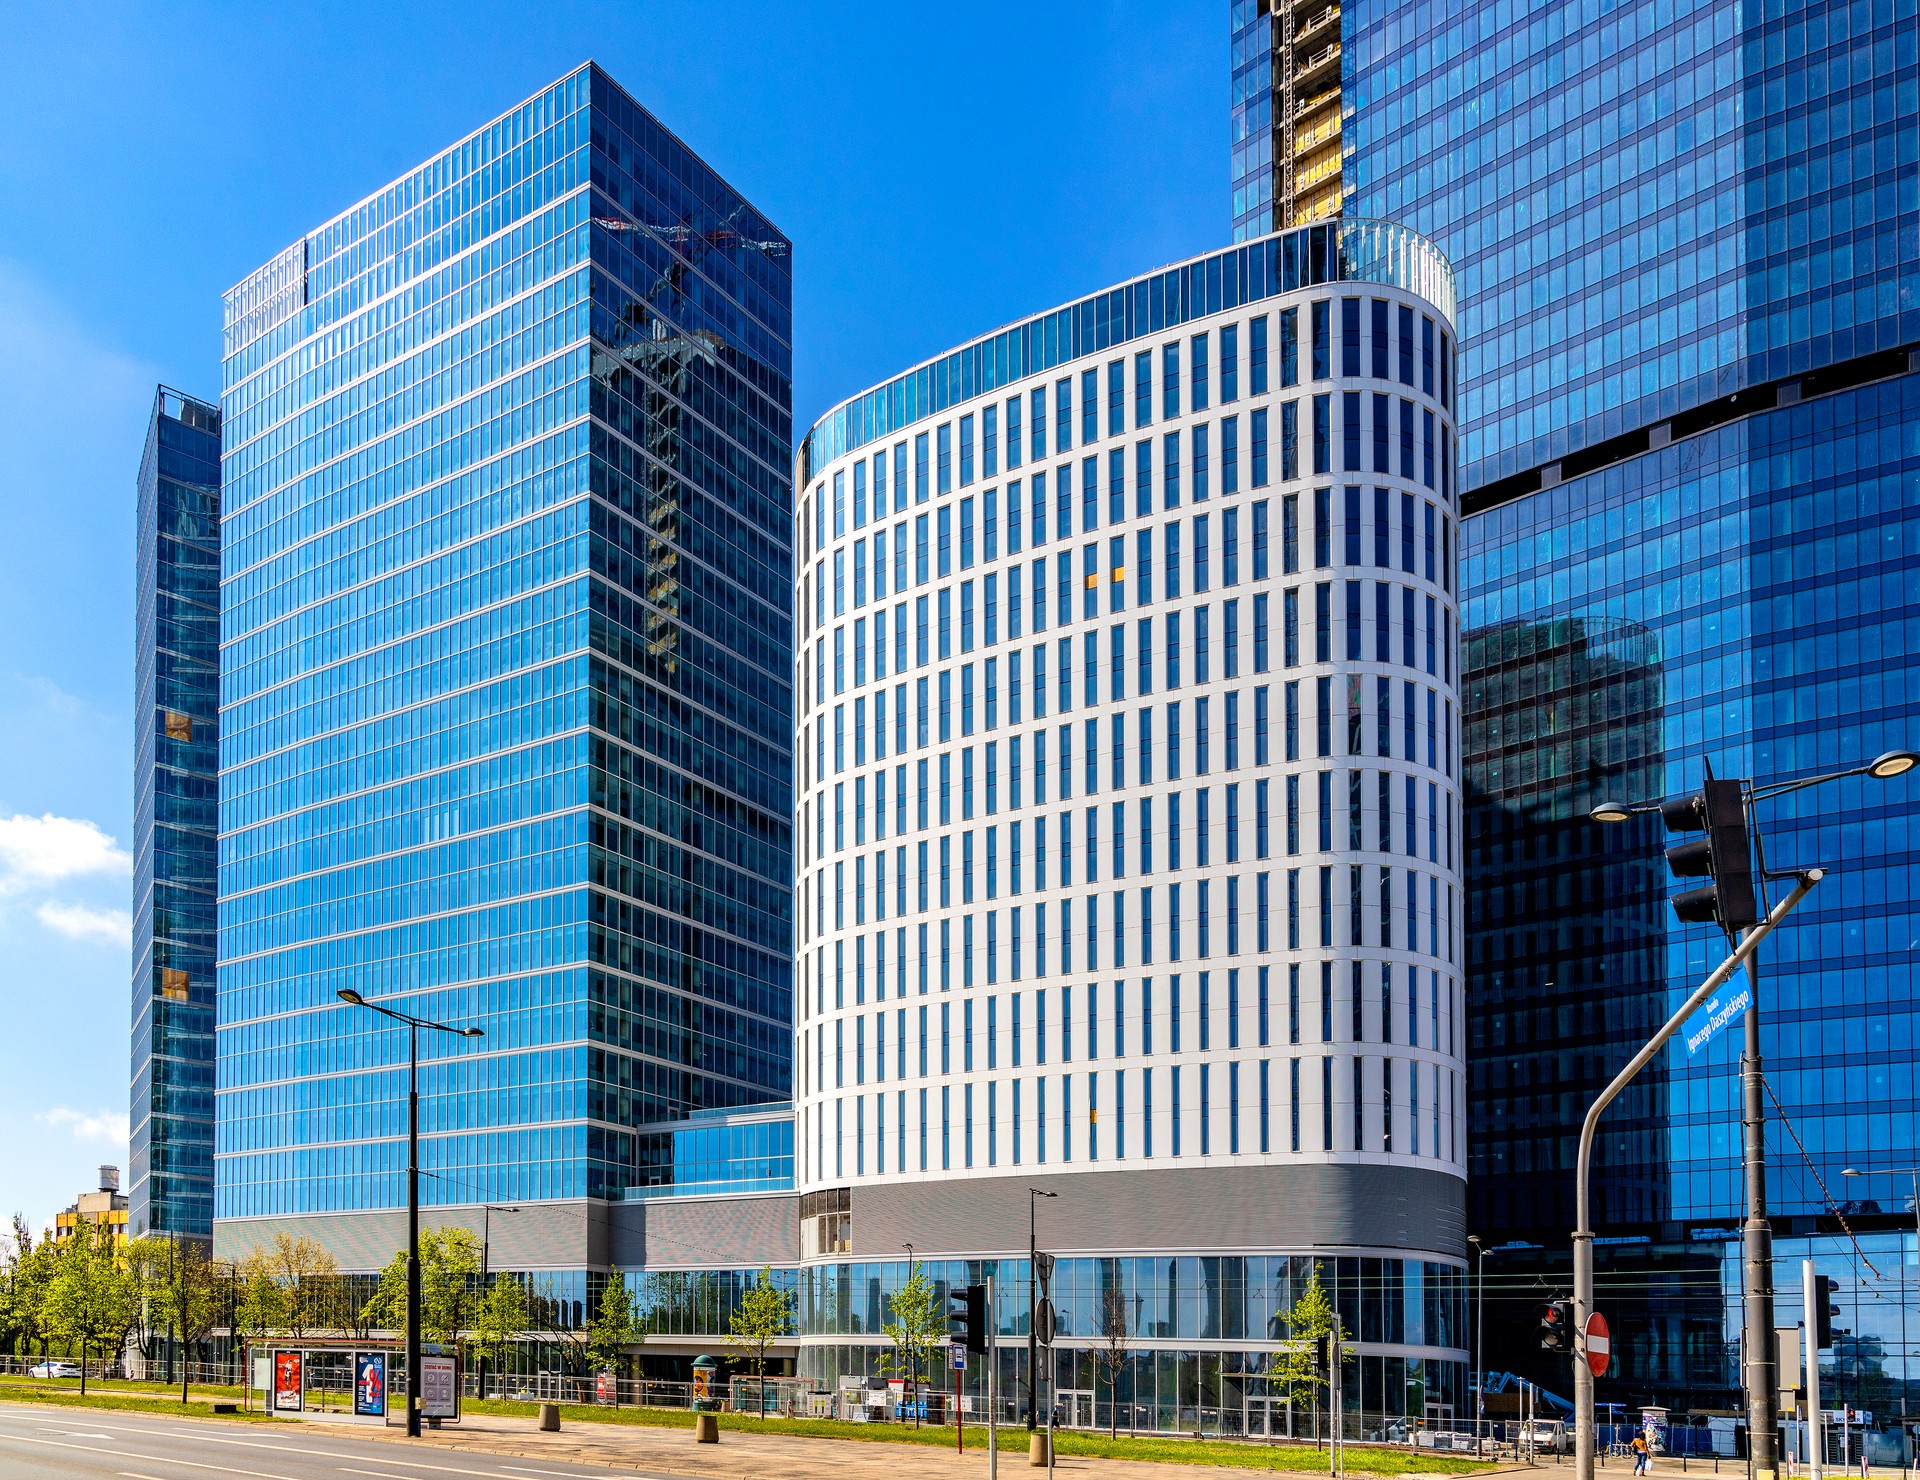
{"x": 82, "y": 922}
{"x": 110, "y": 1127}
{"x": 39, "y": 850}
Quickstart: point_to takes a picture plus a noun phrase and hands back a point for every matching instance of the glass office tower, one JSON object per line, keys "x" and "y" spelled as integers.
{"x": 175, "y": 765}
{"x": 506, "y": 643}
{"x": 1688, "y": 239}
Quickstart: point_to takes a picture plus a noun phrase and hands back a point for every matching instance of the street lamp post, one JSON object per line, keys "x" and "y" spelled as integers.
{"x": 487, "y": 1210}
{"x": 414, "y": 1025}
{"x": 1034, "y": 1194}
{"x": 1758, "y": 1376}
{"x": 1479, "y": 1338}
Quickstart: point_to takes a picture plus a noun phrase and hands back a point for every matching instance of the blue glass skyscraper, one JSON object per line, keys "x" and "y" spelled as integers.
{"x": 506, "y": 657}
{"x": 176, "y": 728}
{"x": 1688, "y": 243}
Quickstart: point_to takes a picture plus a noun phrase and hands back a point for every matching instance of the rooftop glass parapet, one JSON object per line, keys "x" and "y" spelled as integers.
{"x": 1329, "y": 251}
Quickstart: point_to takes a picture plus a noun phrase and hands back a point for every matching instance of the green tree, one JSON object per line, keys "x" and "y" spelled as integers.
{"x": 765, "y": 1314}
{"x": 1115, "y": 1335}
{"x": 918, "y": 1316}
{"x": 613, "y": 1328}
{"x": 260, "y": 1309}
{"x": 305, "y": 1273}
{"x": 449, "y": 1270}
{"x": 1298, "y": 1370}
{"x": 90, "y": 1298}
{"x": 29, "y": 1271}
{"x": 552, "y": 1315}
{"x": 192, "y": 1297}
{"x": 146, "y": 1259}
{"x": 501, "y": 1317}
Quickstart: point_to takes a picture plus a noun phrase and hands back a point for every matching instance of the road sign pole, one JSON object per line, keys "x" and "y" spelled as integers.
{"x": 1816, "y": 1441}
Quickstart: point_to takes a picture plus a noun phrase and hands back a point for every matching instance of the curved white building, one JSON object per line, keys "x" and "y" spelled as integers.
{"x": 1128, "y": 827}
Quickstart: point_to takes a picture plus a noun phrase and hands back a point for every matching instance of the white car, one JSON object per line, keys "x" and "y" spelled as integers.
{"x": 55, "y": 1369}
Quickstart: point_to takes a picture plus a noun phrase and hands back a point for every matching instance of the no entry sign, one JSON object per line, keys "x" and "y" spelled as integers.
{"x": 1599, "y": 1344}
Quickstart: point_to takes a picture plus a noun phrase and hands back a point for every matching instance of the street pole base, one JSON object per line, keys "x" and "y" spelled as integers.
{"x": 1037, "y": 1450}
{"x": 706, "y": 1428}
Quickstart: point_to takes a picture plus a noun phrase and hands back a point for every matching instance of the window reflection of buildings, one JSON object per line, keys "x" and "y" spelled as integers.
{"x": 1567, "y": 918}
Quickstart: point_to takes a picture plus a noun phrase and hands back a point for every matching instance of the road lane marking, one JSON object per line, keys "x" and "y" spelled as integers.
{"x": 125, "y": 1454}
{"x": 385, "y": 1475}
{"x": 201, "y": 1435}
{"x": 136, "y": 1475}
{"x": 412, "y": 1464}
{"x": 565, "y": 1474}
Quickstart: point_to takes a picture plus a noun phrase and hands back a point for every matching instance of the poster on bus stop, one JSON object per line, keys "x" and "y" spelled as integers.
{"x": 287, "y": 1386}
{"x": 439, "y": 1388}
{"x": 370, "y": 1384}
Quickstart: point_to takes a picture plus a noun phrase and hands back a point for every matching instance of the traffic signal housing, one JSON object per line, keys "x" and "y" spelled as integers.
{"x": 1556, "y": 1326}
{"x": 967, "y": 1317}
{"x": 1724, "y": 855}
{"x": 1825, "y": 1308}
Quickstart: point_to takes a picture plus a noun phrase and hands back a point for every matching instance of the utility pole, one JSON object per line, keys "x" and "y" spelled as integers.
{"x": 1756, "y": 1244}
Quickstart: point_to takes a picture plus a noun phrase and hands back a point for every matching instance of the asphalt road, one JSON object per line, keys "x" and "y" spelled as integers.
{"x": 55, "y": 1444}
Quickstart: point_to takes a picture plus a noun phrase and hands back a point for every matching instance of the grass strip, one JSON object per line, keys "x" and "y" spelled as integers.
{"x": 1224, "y": 1453}
{"x": 124, "y": 1402}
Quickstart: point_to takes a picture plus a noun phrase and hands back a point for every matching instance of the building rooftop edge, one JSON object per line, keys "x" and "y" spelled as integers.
{"x": 1126, "y": 282}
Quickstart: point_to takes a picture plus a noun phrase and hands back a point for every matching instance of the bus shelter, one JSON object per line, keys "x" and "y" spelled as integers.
{"x": 364, "y": 1379}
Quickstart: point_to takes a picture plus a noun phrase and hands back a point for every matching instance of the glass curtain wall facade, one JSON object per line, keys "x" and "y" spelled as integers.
{"x": 506, "y": 634}
{"x": 1688, "y": 238}
{"x": 176, "y": 759}
{"x": 1128, "y": 854}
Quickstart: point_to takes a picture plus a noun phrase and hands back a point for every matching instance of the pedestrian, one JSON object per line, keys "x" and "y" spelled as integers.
{"x": 1058, "y": 1418}
{"x": 1642, "y": 1455}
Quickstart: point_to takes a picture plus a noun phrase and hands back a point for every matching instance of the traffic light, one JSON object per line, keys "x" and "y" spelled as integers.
{"x": 1724, "y": 855}
{"x": 1556, "y": 1326}
{"x": 967, "y": 1317}
{"x": 1825, "y": 1308}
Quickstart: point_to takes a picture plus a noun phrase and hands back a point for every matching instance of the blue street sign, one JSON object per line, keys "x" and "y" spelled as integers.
{"x": 959, "y": 1358}
{"x": 1721, "y": 1009}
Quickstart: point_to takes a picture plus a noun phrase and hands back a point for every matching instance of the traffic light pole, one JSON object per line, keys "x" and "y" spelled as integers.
{"x": 1757, "y": 1249}
{"x": 1583, "y": 1377}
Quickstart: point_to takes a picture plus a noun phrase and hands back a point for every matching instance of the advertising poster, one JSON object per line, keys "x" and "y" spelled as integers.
{"x": 287, "y": 1386}
{"x": 439, "y": 1388}
{"x": 603, "y": 1388}
{"x": 370, "y": 1384}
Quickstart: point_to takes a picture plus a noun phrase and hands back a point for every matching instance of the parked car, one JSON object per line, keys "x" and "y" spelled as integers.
{"x": 54, "y": 1369}
{"x": 1547, "y": 1436}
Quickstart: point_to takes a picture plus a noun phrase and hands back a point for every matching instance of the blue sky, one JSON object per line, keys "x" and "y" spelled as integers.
{"x": 941, "y": 170}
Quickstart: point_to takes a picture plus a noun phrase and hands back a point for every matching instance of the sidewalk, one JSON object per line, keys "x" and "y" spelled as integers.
{"x": 748, "y": 1456}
